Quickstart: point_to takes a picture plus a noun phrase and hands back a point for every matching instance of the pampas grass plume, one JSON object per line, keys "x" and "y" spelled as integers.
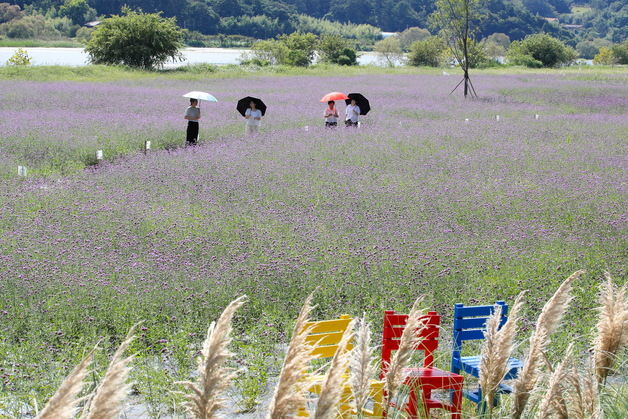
{"x": 206, "y": 395}
{"x": 363, "y": 366}
{"x": 546, "y": 324}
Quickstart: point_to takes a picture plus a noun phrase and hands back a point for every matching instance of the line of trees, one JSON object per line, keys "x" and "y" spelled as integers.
{"x": 262, "y": 19}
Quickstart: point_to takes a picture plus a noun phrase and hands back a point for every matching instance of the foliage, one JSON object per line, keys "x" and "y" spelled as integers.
{"x": 620, "y": 51}
{"x": 336, "y": 50}
{"x": 84, "y": 34}
{"x": 590, "y": 47}
{"x": 78, "y": 11}
{"x": 364, "y": 34}
{"x": 9, "y": 12}
{"x": 40, "y": 27}
{"x": 540, "y": 48}
{"x": 390, "y": 50}
{"x": 411, "y": 35}
{"x": 293, "y": 50}
{"x": 135, "y": 39}
{"x": 427, "y": 52}
{"x": 20, "y": 58}
{"x": 605, "y": 57}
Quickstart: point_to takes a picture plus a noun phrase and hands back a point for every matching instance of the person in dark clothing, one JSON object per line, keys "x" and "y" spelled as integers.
{"x": 192, "y": 114}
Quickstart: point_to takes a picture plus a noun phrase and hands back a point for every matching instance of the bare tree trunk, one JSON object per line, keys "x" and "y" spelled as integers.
{"x": 465, "y": 49}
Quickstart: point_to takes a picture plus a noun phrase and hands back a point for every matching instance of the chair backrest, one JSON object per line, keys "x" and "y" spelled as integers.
{"x": 326, "y": 335}
{"x": 394, "y": 325}
{"x": 470, "y": 322}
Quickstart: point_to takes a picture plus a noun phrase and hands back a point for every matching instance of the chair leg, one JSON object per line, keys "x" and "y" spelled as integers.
{"x": 456, "y": 412}
{"x": 411, "y": 408}
{"x": 427, "y": 395}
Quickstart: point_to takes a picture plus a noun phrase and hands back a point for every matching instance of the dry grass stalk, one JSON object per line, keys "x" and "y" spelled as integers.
{"x": 363, "y": 366}
{"x": 114, "y": 388}
{"x": 65, "y": 401}
{"x": 553, "y": 402}
{"x": 612, "y": 327}
{"x": 409, "y": 339}
{"x": 497, "y": 348}
{"x": 584, "y": 396}
{"x": 546, "y": 324}
{"x": 206, "y": 395}
{"x": 290, "y": 391}
{"x": 336, "y": 379}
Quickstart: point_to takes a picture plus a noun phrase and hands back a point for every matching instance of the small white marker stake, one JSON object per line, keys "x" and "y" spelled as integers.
{"x": 22, "y": 171}
{"x": 359, "y": 124}
{"x": 99, "y": 156}
{"x": 466, "y": 121}
{"x": 497, "y": 117}
{"x": 307, "y": 128}
{"x": 536, "y": 116}
{"x": 146, "y": 146}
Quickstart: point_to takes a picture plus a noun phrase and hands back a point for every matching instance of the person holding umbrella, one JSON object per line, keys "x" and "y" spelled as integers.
{"x": 192, "y": 115}
{"x": 252, "y": 109}
{"x": 357, "y": 105}
{"x": 331, "y": 115}
{"x": 352, "y": 114}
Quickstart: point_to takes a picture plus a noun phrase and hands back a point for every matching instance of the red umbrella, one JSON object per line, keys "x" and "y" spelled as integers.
{"x": 334, "y": 96}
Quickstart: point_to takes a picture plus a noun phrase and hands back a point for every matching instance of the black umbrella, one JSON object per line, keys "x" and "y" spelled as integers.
{"x": 361, "y": 101}
{"x": 244, "y": 104}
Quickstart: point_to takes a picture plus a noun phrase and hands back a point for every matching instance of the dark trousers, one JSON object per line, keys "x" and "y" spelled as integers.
{"x": 192, "y": 133}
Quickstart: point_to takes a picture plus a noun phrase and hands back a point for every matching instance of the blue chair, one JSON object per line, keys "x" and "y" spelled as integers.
{"x": 470, "y": 324}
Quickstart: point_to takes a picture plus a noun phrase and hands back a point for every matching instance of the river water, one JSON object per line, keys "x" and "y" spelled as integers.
{"x": 78, "y": 57}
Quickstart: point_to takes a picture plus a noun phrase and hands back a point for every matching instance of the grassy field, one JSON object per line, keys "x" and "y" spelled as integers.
{"x": 416, "y": 201}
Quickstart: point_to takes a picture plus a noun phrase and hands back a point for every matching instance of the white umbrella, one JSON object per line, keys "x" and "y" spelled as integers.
{"x": 201, "y": 96}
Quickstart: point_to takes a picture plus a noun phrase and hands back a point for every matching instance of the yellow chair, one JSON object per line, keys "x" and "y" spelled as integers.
{"x": 326, "y": 336}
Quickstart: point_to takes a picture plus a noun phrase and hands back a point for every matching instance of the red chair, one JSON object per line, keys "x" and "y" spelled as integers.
{"x": 427, "y": 378}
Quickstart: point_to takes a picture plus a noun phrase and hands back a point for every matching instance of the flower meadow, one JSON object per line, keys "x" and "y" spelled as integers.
{"x": 415, "y": 201}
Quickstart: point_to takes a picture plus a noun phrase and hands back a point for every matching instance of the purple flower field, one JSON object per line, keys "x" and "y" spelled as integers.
{"x": 416, "y": 201}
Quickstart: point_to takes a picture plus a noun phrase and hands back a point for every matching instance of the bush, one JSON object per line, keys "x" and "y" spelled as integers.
{"x": 540, "y": 48}
{"x": 427, "y": 52}
{"x": 620, "y": 51}
{"x": 84, "y": 34}
{"x": 135, "y": 39}
{"x": 299, "y": 49}
{"x": 589, "y": 48}
{"x": 390, "y": 50}
{"x": 411, "y": 35}
{"x": 20, "y": 58}
{"x": 270, "y": 52}
{"x": 336, "y": 50}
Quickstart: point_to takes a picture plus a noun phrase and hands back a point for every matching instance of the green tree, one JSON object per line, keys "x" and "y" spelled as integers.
{"x": 427, "y": 52}
{"x": 605, "y": 57}
{"x": 411, "y": 35}
{"x": 144, "y": 40}
{"x": 9, "y": 12}
{"x": 620, "y": 51}
{"x": 336, "y": 50}
{"x": 390, "y": 50}
{"x": 540, "y": 48}
{"x": 300, "y": 49}
{"x": 458, "y": 21}
{"x": 78, "y": 11}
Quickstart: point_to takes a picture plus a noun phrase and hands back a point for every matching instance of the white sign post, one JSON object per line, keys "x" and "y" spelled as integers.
{"x": 22, "y": 171}
{"x": 497, "y": 117}
{"x": 99, "y": 156}
{"x": 146, "y": 146}
{"x": 536, "y": 116}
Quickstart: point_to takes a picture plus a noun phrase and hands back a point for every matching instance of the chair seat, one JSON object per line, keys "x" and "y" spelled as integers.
{"x": 471, "y": 365}
{"x": 432, "y": 377}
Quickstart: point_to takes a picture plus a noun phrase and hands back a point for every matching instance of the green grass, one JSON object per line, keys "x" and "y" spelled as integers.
{"x": 40, "y": 43}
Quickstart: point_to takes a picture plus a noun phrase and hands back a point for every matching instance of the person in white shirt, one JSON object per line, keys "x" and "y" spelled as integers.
{"x": 352, "y": 114}
{"x": 331, "y": 115}
{"x": 253, "y": 118}
{"x": 192, "y": 115}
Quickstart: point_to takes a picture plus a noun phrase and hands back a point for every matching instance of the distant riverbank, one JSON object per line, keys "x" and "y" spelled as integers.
{"x": 77, "y": 57}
